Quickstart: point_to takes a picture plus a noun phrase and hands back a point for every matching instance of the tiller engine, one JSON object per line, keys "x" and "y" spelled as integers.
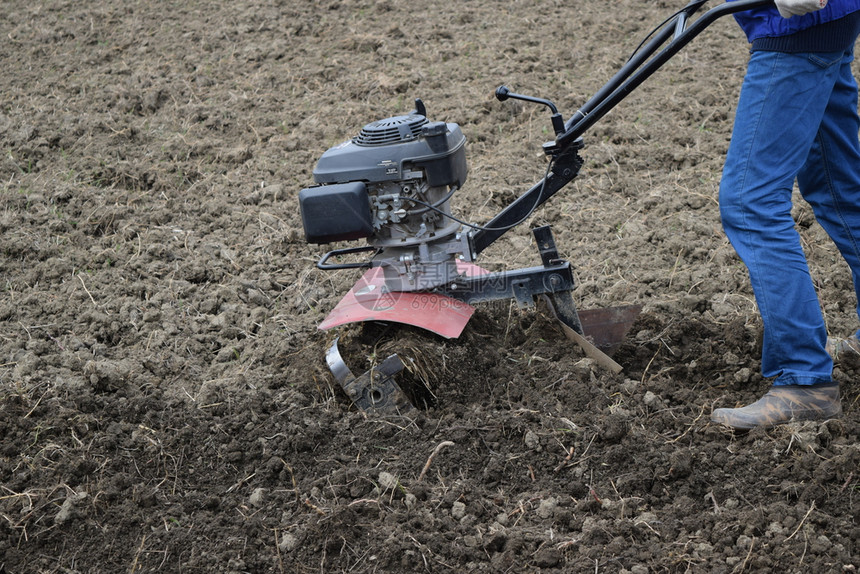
{"x": 392, "y": 186}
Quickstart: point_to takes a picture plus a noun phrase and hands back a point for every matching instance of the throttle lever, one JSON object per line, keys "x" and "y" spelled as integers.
{"x": 503, "y": 93}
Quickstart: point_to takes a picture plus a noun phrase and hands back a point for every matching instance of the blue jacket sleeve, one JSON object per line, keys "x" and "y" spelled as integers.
{"x": 766, "y": 22}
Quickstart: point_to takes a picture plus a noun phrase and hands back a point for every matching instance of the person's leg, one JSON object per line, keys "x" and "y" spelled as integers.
{"x": 830, "y": 178}
{"x": 782, "y": 102}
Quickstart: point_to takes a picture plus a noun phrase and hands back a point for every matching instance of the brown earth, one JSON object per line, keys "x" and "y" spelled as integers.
{"x": 165, "y": 403}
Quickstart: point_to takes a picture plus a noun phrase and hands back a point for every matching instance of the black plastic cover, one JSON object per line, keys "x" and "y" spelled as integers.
{"x": 438, "y": 149}
{"x": 450, "y": 169}
{"x": 336, "y": 212}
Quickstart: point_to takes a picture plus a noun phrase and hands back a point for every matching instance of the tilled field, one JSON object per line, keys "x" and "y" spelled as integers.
{"x": 165, "y": 405}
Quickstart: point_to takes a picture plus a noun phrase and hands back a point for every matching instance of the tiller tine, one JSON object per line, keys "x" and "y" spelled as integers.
{"x": 375, "y": 391}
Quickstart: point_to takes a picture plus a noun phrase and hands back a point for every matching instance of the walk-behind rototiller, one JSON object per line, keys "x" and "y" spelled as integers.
{"x": 392, "y": 185}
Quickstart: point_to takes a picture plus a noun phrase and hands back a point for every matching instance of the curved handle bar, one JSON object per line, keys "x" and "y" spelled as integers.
{"x": 637, "y": 69}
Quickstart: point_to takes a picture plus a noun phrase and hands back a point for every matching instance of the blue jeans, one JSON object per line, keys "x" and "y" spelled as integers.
{"x": 796, "y": 119}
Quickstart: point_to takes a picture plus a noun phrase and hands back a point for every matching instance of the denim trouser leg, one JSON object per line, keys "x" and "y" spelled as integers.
{"x": 780, "y": 131}
{"x": 830, "y": 179}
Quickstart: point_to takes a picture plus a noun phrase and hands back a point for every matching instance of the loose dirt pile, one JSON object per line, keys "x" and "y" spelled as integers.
{"x": 164, "y": 401}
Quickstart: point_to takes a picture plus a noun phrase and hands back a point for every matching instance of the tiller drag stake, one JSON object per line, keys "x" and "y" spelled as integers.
{"x": 392, "y": 185}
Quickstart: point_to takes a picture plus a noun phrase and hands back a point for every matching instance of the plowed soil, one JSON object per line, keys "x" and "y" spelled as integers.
{"x": 165, "y": 404}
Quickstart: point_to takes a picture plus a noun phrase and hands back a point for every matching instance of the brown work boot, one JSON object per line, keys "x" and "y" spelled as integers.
{"x": 784, "y": 404}
{"x": 845, "y": 351}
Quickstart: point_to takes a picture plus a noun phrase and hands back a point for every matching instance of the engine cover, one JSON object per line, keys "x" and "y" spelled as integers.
{"x": 397, "y": 148}
{"x": 391, "y": 184}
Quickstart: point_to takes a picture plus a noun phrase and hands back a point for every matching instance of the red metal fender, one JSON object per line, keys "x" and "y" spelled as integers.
{"x": 370, "y": 300}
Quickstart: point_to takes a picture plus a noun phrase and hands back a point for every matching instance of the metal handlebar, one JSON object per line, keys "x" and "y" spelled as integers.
{"x": 628, "y": 78}
{"x": 639, "y": 67}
